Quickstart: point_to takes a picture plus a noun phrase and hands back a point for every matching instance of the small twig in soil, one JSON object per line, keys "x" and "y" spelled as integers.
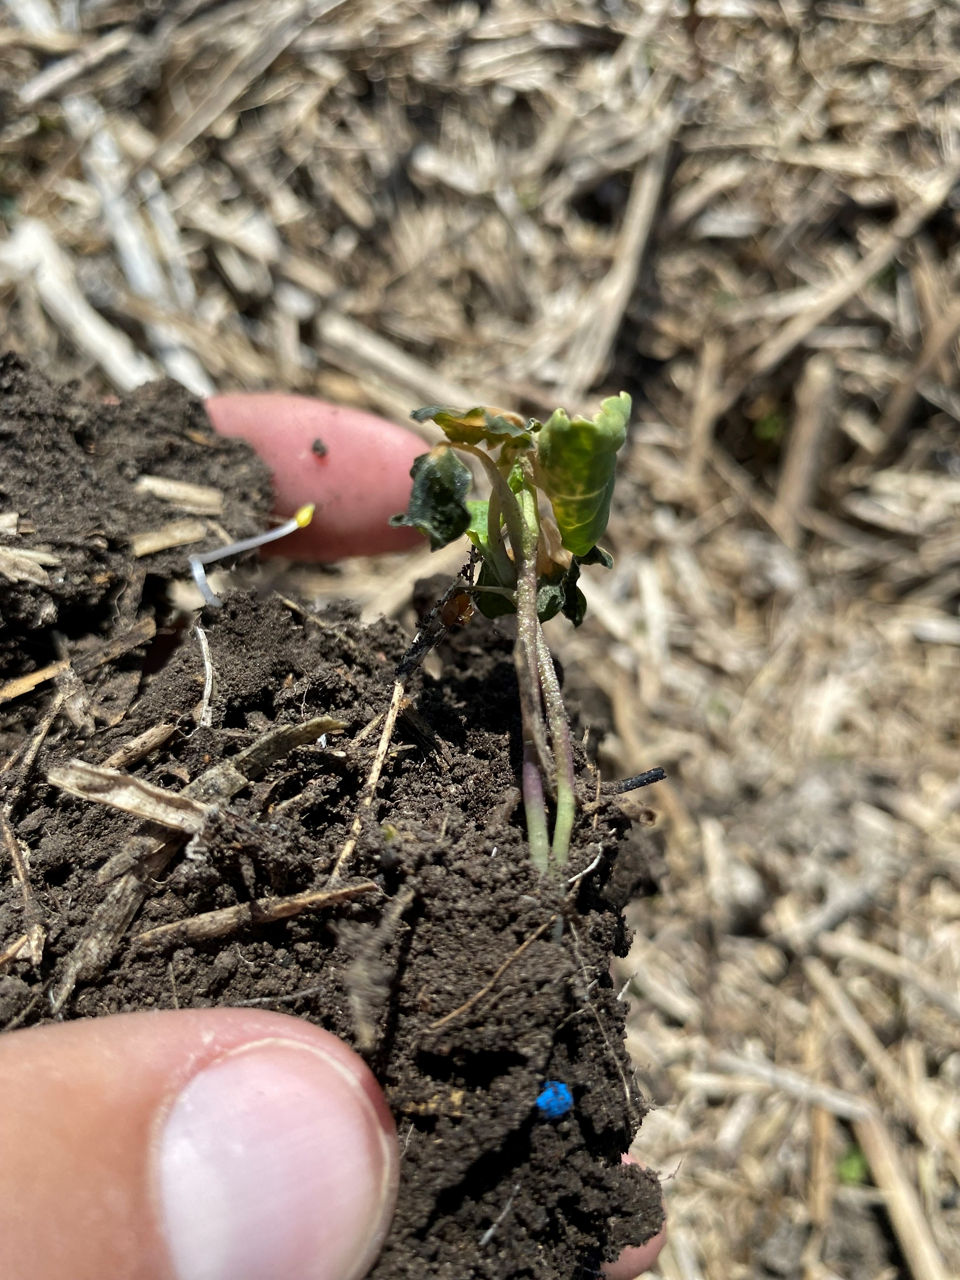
{"x": 31, "y": 909}
{"x": 174, "y": 993}
{"x": 216, "y": 924}
{"x": 175, "y": 533}
{"x": 25, "y": 1014}
{"x": 491, "y": 1231}
{"x": 132, "y": 752}
{"x": 219, "y": 784}
{"x": 31, "y": 750}
{"x": 638, "y": 780}
{"x": 365, "y": 989}
{"x": 370, "y": 787}
{"x": 488, "y": 986}
{"x": 415, "y": 724}
{"x": 302, "y": 993}
{"x": 138, "y": 634}
{"x": 12, "y": 950}
{"x": 198, "y": 499}
{"x": 76, "y": 703}
{"x": 205, "y": 718}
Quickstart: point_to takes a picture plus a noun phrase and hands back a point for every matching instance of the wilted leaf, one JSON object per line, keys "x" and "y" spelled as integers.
{"x": 597, "y": 555}
{"x": 562, "y": 595}
{"x": 475, "y": 426}
{"x": 437, "y": 508}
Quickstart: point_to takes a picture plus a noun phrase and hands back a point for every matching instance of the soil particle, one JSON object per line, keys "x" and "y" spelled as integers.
{"x": 466, "y": 981}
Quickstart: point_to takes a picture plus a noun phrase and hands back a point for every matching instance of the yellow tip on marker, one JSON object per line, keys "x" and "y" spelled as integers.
{"x": 305, "y": 515}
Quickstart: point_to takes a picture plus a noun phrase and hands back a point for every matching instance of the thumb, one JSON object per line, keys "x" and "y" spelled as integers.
{"x": 195, "y": 1145}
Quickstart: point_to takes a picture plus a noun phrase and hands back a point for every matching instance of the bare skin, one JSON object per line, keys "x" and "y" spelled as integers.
{"x": 200, "y": 1144}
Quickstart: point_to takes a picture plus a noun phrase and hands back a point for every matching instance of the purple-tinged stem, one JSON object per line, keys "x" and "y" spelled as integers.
{"x": 535, "y": 809}
{"x": 562, "y": 749}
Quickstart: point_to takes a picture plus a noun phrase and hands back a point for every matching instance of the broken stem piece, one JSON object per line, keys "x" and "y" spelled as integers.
{"x": 370, "y": 788}
{"x": 216, "y": 924}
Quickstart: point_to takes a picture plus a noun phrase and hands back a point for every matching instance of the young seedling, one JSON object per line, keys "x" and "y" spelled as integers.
{"x": 550, "y": 489}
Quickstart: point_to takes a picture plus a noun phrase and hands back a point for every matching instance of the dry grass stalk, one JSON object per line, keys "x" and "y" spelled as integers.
{"x": 261, "y": 911}
{"x": 177, "y": 533}
{"x": 138, "y": 634}
{"x": 130, "y": 795}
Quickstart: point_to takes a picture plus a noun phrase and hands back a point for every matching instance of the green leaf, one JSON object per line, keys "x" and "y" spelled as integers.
{"x": 491, "y": 603}
{"x": 853, "y": 1169}
{"x": 437, "y": 507}
{"x": 476, "y": 426}
{"x": 576, "y": 462}
{"x": 476, "y": 530}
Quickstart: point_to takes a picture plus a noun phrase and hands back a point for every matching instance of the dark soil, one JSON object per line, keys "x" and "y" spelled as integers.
{"x": 465, "y": 981}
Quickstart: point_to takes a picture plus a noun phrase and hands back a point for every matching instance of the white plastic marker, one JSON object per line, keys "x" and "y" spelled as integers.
{"x": 199, "y": 562}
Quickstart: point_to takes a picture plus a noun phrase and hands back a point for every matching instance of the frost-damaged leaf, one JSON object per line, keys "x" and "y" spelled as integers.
{"x": 562, "y": 595}
{"x": 597, "y": 555}
{"x": 437, "y": 507}
{"x": 475, "y": 426}
{"x": 576, "y": 462}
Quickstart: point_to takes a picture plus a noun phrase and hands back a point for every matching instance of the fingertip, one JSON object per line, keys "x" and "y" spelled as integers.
{"x": 272, "y": 1162}
{"x": 636, "y": 1259}
{"x": 353, "y": 465}
{"x": 633, "y": 1262}
{"x": 198, "y": 1143}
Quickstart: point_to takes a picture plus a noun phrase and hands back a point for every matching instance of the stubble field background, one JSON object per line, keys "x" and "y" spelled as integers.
{"x": 746, "y": 215}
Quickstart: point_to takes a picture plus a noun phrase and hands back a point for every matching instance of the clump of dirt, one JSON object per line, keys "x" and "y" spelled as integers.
{"x": 421, "y": 935}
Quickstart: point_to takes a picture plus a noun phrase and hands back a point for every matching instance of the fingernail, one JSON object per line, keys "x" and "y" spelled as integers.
{"x": 273, "y": 1162}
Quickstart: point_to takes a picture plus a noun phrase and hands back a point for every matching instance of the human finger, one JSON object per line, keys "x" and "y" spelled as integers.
{"x": 354, "y": 466}
{"x": 634, "y": 1261}
{"x": 219, "y": 1144}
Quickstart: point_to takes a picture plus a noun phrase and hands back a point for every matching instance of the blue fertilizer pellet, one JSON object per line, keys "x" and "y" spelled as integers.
{"x": 555, "y": 1099}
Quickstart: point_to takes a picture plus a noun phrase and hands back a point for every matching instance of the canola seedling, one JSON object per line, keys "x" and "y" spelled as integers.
{"x": 551, "y": 484}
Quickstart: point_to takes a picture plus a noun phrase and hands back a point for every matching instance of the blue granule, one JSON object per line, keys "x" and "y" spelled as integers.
{"x": 555, "y": 1099}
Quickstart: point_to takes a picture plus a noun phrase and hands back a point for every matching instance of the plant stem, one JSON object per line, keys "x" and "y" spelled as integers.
{"x": 562, "y": 750}
{"x": 512, "y": 515}
{"x": 536, "y": 679}
{"x": 535, "y": 810}
{"x": 525, "y": 651}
